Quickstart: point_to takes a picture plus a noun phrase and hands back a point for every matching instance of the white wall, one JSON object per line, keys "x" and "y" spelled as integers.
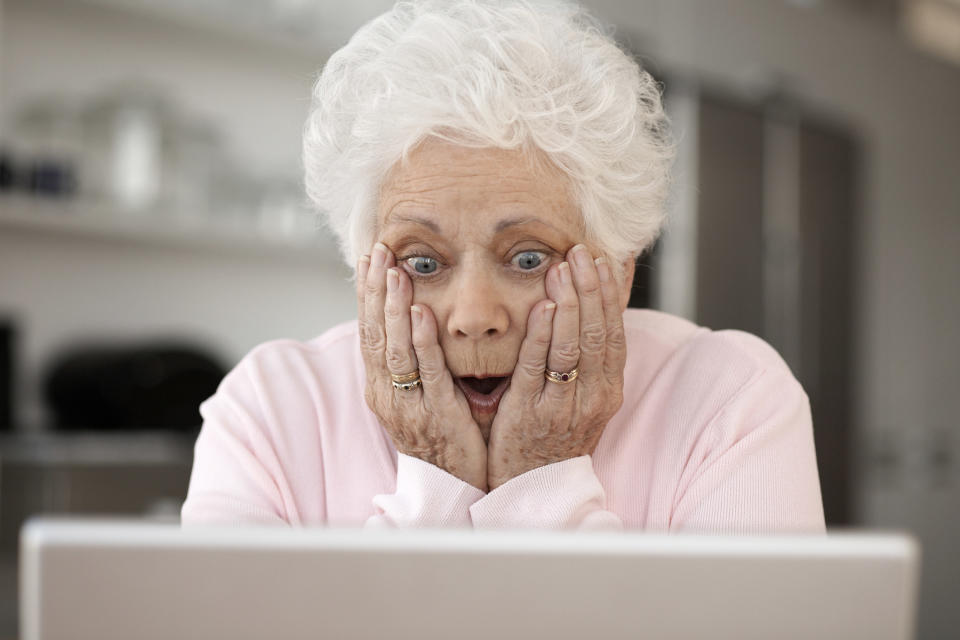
{"x": 257, "y": 94}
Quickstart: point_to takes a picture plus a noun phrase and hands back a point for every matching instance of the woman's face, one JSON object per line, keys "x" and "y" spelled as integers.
{"x": 476, "y": 230}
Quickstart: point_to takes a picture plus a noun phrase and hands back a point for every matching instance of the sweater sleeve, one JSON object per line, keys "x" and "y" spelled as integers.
{"x": 257, "y": 458}
{"x": 756, "y": 469}
{"x": 425, "y": 496}
{"x": 232, "y": 481}
{"x": 562, "y": 495}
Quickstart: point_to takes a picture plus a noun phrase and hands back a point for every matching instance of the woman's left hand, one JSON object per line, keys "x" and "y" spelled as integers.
{"x": 580, "y": 326}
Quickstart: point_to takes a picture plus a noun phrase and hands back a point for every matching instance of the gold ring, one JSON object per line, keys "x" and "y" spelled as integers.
{"x": 406, "y": 377}
{"x": 561, "y": 377}
{"x": 406, "y": 386}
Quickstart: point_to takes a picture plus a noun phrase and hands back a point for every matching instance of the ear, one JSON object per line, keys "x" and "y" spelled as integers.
{"x": 628, "y": 267}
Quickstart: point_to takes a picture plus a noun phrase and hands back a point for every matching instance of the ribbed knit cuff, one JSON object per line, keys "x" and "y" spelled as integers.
{"x": 555, "y": 496}
{"x": 427, "y": 496}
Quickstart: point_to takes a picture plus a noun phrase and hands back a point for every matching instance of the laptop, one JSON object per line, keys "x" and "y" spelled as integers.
{"x": 109, "y": 580}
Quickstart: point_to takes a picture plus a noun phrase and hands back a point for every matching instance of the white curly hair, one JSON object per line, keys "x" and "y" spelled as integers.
{"x": 512, "y": 74}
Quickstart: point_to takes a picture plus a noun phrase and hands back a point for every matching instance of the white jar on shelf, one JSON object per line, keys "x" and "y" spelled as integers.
{"x": 125, "y": 132}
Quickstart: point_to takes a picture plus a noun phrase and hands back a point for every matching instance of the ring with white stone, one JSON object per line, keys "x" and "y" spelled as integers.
{"x": 406, "y": 381}
{"x": 561, "y": 377}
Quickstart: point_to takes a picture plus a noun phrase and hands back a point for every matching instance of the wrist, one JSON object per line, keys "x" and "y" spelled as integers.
{"x": 497, "y": 477}
{"x": 474, "y": 474}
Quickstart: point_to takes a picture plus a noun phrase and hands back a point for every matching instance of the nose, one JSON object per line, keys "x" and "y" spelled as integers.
{"x": 478, "y": 307}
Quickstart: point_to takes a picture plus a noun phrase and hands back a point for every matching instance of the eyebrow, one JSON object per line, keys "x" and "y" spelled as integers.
{"x": 430, "y": 224}
{"x": 512, "y": 222}
{"x": 501, "y": 226}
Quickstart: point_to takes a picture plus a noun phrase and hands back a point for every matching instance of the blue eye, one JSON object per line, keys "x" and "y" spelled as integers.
{"x": 528, "y": 259}
{"x": 422, "y": 264}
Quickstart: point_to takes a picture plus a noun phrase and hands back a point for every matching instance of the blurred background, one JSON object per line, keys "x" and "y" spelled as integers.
{"x": 153, "y": 229}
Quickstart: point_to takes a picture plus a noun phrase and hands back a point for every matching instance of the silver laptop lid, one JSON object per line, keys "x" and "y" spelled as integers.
{"x": 106, "y": 580}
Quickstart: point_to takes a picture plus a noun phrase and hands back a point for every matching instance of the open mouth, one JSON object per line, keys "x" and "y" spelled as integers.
{"x": 483, "y": 393}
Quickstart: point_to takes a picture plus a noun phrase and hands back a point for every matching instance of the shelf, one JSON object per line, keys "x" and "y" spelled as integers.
{"x": 158, "y": 229}
{"x": 103, "y": 448}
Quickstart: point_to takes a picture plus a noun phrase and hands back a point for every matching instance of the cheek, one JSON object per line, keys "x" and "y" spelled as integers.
{"x": 435, "y": 296}
{"x": 432, "y": 296}
{"x": 522, "y": 300}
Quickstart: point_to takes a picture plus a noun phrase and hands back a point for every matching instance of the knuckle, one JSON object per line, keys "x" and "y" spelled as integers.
{"x": 569, "y": 352}
{"x": 364, "y": 328}
{"x": 531, "y": 369}
{"x": 541, "y": 340}
{"x": 419, "y": 341}
{"x": 613, "y": 374}
{"x": 430, "y": 373}
{"x": 392, "y": 312}
{"x": 364, "y": 331}
{"x": 397, "y": 359}
{"x": 593, "y": 336}
{"x": 616, "y": 338}
{"x": 373, "y": 340}
{"x": 370, "y": 288}
{"x": 591, "y": 287}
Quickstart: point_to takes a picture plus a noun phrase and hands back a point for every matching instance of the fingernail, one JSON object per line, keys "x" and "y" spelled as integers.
{"x": 416, "y": 314}
{"x": 580, "y": 256}
{"x": 548, "y": 310}
{"x": 603, "y": 269}
{"x": 379, "y": 254}
{"x": 564, "y": 270}
{"x": 363, "y": 265}
{"x": 393, "y": 280}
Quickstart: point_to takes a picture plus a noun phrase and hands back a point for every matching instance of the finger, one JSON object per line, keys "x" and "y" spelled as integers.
{"x": 615, "y": 350}
{"x": 363, "y": 265}
{"x": 363, "y": 268}
{"x": 435, "y": 377}
{"x": 592, "y": 323}
{"x": 565, "y": 340}
{"x": 373, "y": 335}
{"x": 400, "y": 356}
{"x": 527, "y": 378}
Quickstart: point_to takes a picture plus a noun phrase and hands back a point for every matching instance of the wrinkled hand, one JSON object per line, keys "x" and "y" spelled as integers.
{"x": 580, "y": 326}
{"x": 432, "y": 422}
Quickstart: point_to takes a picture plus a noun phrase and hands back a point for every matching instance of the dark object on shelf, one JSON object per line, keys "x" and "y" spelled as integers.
{"x": 7, "y": 174}
{"x": 130, "y": 388}
{"x": 51, "y": 178}
{"x": 7, "y": 334}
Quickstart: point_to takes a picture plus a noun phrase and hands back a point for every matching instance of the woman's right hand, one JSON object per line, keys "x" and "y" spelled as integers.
{"x": 432, "y": 422}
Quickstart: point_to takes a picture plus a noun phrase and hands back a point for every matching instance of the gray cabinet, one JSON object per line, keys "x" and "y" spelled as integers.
{"x": 763, "y": 240}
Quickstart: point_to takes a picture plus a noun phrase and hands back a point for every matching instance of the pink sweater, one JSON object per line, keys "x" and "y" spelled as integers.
{"x": 715, "y": 434}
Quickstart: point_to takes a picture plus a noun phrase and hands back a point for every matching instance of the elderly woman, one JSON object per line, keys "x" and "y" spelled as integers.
{"x": 493, "y": 170}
